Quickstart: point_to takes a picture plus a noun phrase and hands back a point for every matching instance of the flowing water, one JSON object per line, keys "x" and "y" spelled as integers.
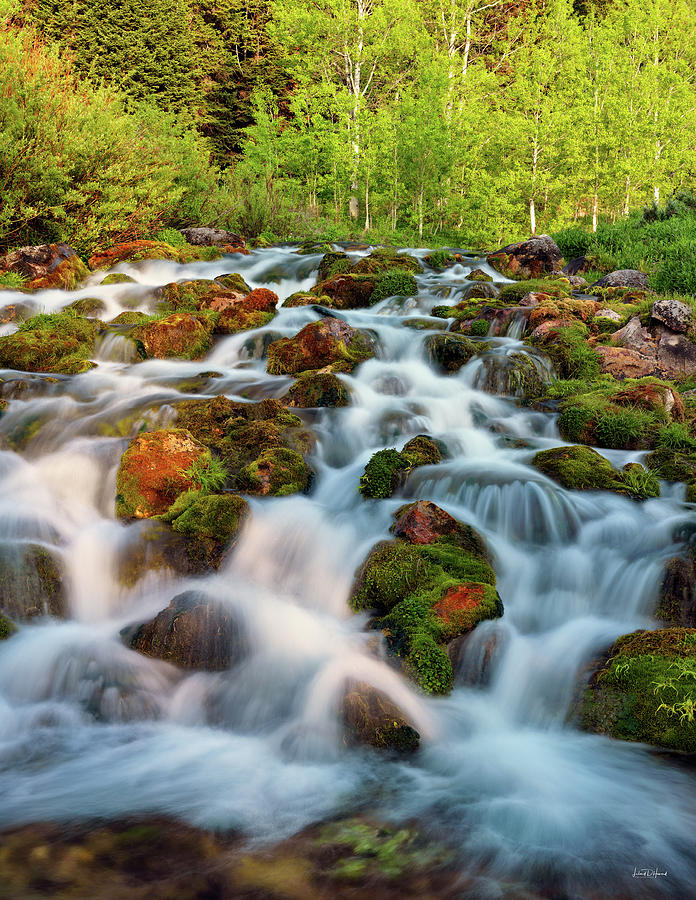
{"x": 89, "y": 728}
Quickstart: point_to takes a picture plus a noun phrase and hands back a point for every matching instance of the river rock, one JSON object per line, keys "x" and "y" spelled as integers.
{"x": 332, "y": 263}
{"x": 532, "y": 258}
{"x": 623, "y": 278}
{"x": 672, "y": 313}
{"x": 370, "y": 718}
{"x": 187, "y": 294}
{"x": 622, "y": 363}
{"x": 132, "y": 251}
{"x": 202, "y": 236}
{"x": 346, "y": 291}
{"x": 677, "y": 601}
{"x": 607, "y": 313}
{"x": 676, "y": 355}
{"x": 233, "y": 282}
{"x": 181, "y": 336}
{"x": 315, "y": 390}
{"x": 192, "y": 633}
{"x": 423, "y": 522}
{"x": 242, "y": 313}
{"x": 449, "y": 352}
{"x": 276, "y": 472}
{"x": 31, "y": 582}
{"x": 577, "y": 267}
{"x": 153, "y": 472}
{"x": 636, "y": 694}
{"x": 60, "y": 342}
{"x": 46, "y": 266}
{"x": 7, "y": 628}
{"x": 329, "y": 342}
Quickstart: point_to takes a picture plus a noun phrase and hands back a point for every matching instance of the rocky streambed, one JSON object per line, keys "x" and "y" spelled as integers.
{"x": 379, "y": 560}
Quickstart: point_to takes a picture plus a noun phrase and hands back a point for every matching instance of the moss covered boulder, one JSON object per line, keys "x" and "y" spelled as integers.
{"x": 191, "y": 633}
{"x": 56, "y": 342}
{"x": 327, "y": 343}
{"x": 253, "y": 311}
{"x": 423, "y": 522}
{"x": 346, "y": 291}
{"x": 155, "y": 469}
{"x": 133, "y": 251}
{"x": 370, "y": 718}
{"x": 333, "y": 262}
{"x": 386, "y": 259}
{"x": 233, "y": 282}
{"x": 646, "y": 690}
{"x": 184, "y": 295}
{"x": 449, "y": 352}
{"x": 426, "y": 593}
{"x": 117, "y": 278}
{"x": 213, "y": 520}
{"x": 583, "y": 469}
{"x": 45, "y": 266}
{"x": 387, "y": 470}
{"x": 262, "y": 445}
{"x": 528, "y": 259}
{"x": 677, "y": 599}
{"x": 31, "y": 582}
{"x": 317, "y": 389}
{"x": 180, "y": 335}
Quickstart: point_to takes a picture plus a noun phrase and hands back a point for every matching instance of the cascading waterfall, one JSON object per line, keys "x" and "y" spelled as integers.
{"x": 89, "y": 728}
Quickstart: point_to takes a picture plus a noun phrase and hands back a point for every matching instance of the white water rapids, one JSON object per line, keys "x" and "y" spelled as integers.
{"x": 89, "y": 728}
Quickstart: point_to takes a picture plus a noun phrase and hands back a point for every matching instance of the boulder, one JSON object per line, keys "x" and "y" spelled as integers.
{"x": 155, "y": 469}
{"x": 211, "y": 237}
{"x": 370, "y": 718}
{"x": 676, "y": 355}
{"x": 46, "y": 266}
{"x": 317, "y": 389}
{"x": 576, "y": 281}
{"x": 31, "y": 582}
{"x": 233, "y": 282}
{"x": 186, "y": 294}
{"x": 276, "y": 472}
{"x": 347, "y": 291}
{"x": 451, "y": 351}
{"x": 329, "y": 342}
{"x": 333, "y": 263}
{"x": 581, "y": 468}
{"x": 607, "y": 313}
{"x": 672, "y": 313}
{"x": 423, "y": 522}
{"x": 677, "y": 601}
{"x": 532, "y": 258}
{"x": 117, "y": 278}
{"x": 623, "y": 278}
{"x": 622, "y": 363}
{"x": 191, "y": 633}
{"x": 57, "y": 342}
{"x": 133, "y": 251}
{"x": 7, "y": 628}
{"x": 180, "y": 335}
{"x": 385, "y": 472}
{"x": 642, "y": 690}
{"x": 479, "y": 275}
{"x": 577, "y": 267}
{"x": 422, "y": 450}
{"x": 242, "y": 313}
{"x": 213, "y": 521}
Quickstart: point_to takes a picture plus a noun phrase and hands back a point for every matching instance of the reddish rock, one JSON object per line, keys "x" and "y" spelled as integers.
{"x": 217, "y": 301}
{"x": 347, "y": 291}
{"x": 546, "y": 327}
{"x": 528, "y": 259}
{"x": 622, "y": 363}
{"x": 179, "y": 335}
{"x": 458, "y": 599}
{"x": 46, "y": 266}
{"x": 254, "y": 310}
{"x": 151, "y": 475}
{"x": 329, "y": 342}
{"x": 132, "y": 251}
{"x": 653, "y": 397}
{"x": 423, "y": 522}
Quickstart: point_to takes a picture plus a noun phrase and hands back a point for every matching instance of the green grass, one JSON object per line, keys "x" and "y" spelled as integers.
{"x": 12, "y": 280}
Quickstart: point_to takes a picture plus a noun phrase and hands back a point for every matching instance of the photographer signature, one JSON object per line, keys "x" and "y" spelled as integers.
{"x": 647, "y": 873}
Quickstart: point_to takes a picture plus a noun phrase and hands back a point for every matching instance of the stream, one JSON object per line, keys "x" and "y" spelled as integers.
{"x": 91, "y": 729}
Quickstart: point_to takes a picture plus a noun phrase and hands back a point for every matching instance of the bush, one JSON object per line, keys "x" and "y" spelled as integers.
{"x": 573, "y": 241}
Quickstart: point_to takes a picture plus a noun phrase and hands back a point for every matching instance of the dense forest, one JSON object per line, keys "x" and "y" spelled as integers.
{"x": 483, "y": 119}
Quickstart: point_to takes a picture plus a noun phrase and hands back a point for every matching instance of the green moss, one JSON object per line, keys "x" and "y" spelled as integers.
{"x": 88, "y": 306}
{"x": 391, "y": 572}
{"x": 555, "y": 287}
{"x": 572, "y": 357}
{"x": 234, "y": 282}
{"x": 288, "y": 356}
{"x": 438, "y": 259}
{"x": 583, "y": 469}
{"x": 277, "y": 472}
{"x": 117, "y": 278}
{"x": 7, "y": 628}
{"x": 218, "y": 517}
{"x": 317, "y": 389}
{"x": 423, "y": 451}
{"x": 184, "y": 295}
{"x": 384, "y": 473}
{"x": 451, "y": 351}
{"x": 12, "y": 281}
{"x": 479, "y": 328}
{"x": 646, "y": 691}
{"x": 56, "y": 342}
{"x": 428, "y": 664}
{"x": 130, "y": 317}
{"x": 394, "y": 283}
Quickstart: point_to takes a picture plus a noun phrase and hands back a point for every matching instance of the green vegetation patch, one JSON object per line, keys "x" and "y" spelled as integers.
{"x": 646, "y": 691}
{"x": 583, "y": 469}
{"x": 569, "y": 351}
{"x": 55, "y": 342}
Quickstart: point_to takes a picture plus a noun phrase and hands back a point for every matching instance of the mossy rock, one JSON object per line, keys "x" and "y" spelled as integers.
{"x": 256, "y": 310}
{"x": 327, "y": 343}
{"x": 645, "y": 691}
{"x": 450, "y": 352}
{"x": 425, "y": 595}
{"x": 91, "y": 307}
{"x": 304, "y": 298}
{"x": 233, "y": 282}
{"x": 423, "y": 451}
{"x": 677, "y": 600}
{"x": 440, "y": 259}
{"x": 572, "y": 356}
{"x": 133, "y": 251}
{"x": 479, "y": 275}
{"x": 333, "y": 263}
{"x": 314, "y": 390}
{"x": 31, "y": 582}
{"x": 117, "y": 278}
{"x": 385, "y": 473}
{"x": 55, "y": 342}
{"x": 581, "y": 468}
{"x": 130, "y": 317}
{"x": 7, "y": 628}
{"x": 277, "y": 472}
{"x": 179, "y": 336}
{"x": 370, "y": 718}
{"x": 396, "y": 283}
{"x": 558, "y": 288}
{"x": 213, "y": 517}
{"x": 184, "y": 295}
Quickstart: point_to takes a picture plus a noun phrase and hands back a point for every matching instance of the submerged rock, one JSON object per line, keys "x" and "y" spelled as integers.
{"x": 369, "y": 717}
{"x": 46, "y": 266}
{"x": 677, "y": 601}
{"x": 450, "y": 352}
{"x": 329, "y": 342}
{"x": 155, "y": 469}
{"x": 31, "y": 582}
{"x": 532, "y": 258}
{"x": 643, "y": 691}
{"x": 191, "y": 633}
